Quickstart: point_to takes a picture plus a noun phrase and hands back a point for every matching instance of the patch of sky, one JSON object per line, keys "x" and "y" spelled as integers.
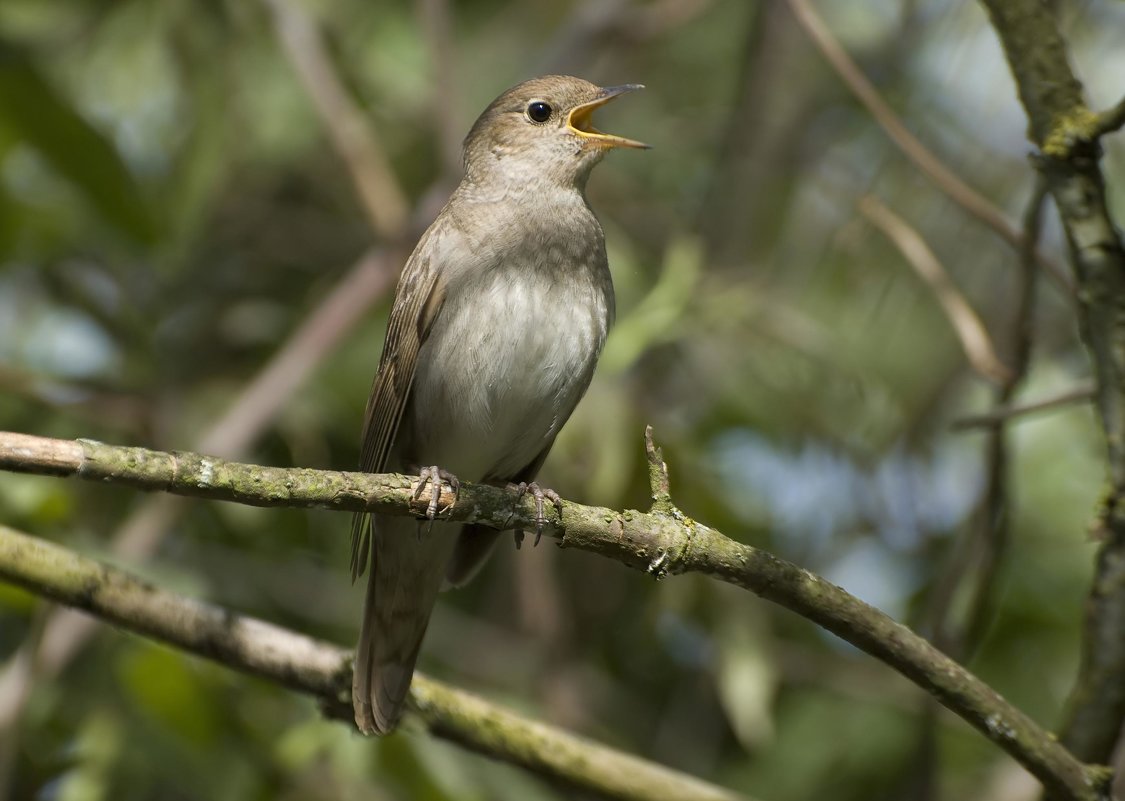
{"x": 51, "y": 341}
{"x": 855, "y": 522}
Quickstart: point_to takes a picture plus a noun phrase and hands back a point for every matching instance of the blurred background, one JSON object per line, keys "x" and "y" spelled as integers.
{"x": 203, "y": 208}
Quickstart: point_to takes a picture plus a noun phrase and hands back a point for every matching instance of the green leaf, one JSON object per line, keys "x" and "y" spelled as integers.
{"x": 41, "y": 117}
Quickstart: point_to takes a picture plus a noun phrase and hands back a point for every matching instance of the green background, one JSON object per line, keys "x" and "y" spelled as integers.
{"x": 172, "y": 208}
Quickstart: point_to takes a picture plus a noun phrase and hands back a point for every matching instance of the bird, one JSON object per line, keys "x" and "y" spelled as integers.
{"x": 498, "y": 320}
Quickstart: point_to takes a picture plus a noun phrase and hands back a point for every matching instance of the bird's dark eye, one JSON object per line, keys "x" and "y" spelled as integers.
{"x": 538, "y": 111}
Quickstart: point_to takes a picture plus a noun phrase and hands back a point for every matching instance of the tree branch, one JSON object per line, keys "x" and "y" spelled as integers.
{"x": 945, "y": 179}
{"x": 352, "y": 134}
{"x": 1109, "y": 121}
{"x": 976, "y": 344}
{"x": 1066, "y": 130}
{"x": 661, "y": 542}
{"x": 994, "y": 532}
{"x": 999, "y": 415}
{"x": 324, "y": 671}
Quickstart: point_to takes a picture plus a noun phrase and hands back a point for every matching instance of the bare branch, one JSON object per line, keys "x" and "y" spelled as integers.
{"x": 354, "y": 137}
{"x": 977, "y": 554}
{"x": 658, "y": 542}
{"x": 994, "y": 520}
{"x": 1110, "y": 120}
{"x": 1003, "y": 414}
{"x": 324, "y": 671}
{"x": 330, "y": 321}
{"x": 974, "y": 338}
{"x": 922, "y": 157}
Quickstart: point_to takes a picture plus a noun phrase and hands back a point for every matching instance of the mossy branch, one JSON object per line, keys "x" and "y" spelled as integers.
{"x": 1067, "y": 131}
{"x": 324, "y": 671}
{"x": 661, "y": 542}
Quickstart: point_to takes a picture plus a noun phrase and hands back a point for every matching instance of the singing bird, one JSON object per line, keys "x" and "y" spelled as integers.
{"x": 499, "y": 317}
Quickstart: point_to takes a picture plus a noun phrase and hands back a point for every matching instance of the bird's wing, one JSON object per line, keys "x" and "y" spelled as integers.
{"x": 418, "y": 300}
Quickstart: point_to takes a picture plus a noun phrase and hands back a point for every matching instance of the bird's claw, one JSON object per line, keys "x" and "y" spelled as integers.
{"x": 540, "y": 494}
{"x": 434, "y": 476}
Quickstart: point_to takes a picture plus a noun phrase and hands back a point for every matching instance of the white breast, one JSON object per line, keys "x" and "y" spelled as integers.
{"x": 508, "y": 359}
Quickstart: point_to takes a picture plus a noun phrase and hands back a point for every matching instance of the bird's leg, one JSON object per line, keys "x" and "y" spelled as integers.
{"x": 434, "y": 476}
{"x": 540, "y": 495}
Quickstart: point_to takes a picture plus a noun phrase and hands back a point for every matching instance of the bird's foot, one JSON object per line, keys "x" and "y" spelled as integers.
{"x": 434, "y": 476}
{"x": 540, "y": 496}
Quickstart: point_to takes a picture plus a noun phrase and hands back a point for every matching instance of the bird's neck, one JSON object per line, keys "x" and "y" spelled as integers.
{"x": 529, "y": 189}
{"x": 525, "y": 174}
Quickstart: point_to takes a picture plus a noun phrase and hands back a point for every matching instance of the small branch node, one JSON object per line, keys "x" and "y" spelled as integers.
{"x": 658, "y": 476}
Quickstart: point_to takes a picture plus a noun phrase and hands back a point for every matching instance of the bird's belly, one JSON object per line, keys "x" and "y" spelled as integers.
{"x": 501, "y": 372}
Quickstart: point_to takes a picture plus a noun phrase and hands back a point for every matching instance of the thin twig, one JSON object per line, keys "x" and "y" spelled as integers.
{"x": 656, "y": 542}
{"x": 976, "y": 554}
{"x": 922, "y": 157}
{"x": 972, "y": 552}
{"x": 354, "y": 137}
{"x": 1000, "y": 415}
{"x": 324, "y": 671}
{"x": 995, "y": 528}
{"x": 1110, "y": 120}
{"x": 338, "y": 313}
{"x": 970, "y": 331}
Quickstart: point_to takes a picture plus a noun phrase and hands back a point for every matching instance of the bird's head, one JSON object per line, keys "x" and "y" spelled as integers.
{"x": 540, "y": 131}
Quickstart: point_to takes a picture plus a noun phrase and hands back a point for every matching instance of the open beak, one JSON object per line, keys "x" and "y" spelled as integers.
{"x": 579, "y": 119}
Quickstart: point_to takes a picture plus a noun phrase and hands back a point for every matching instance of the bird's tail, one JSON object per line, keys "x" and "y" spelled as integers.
{"x": 408, "y": 564}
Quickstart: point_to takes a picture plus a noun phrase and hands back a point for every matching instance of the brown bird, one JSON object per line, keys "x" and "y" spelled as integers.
{"x": 498, "y": 320}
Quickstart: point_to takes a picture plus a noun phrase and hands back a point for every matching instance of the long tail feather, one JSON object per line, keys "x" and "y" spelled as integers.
{"x": 407, "y": 568}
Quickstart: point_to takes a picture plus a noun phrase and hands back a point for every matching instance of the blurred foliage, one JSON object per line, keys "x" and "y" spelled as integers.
{"x": 171, "y": 208}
